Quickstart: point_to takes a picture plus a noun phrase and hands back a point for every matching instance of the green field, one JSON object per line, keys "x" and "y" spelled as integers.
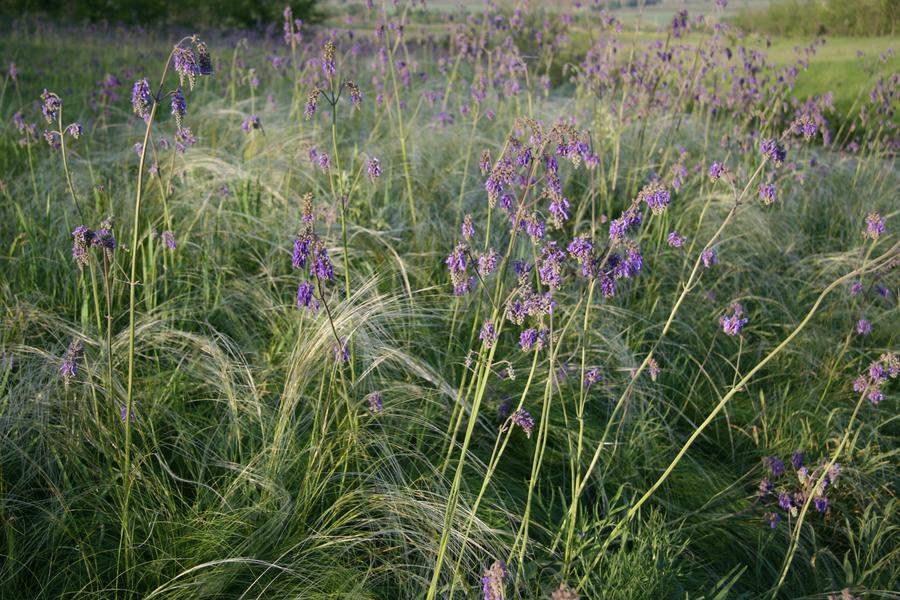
{"x": 518, "y": 321}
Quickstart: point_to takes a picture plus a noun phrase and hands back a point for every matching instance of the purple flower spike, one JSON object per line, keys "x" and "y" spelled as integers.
{"x": 863, "y": 327}
{"x": 775, "y": 464}
{"x": 179, "y": 107}
{"x": 305, "y": 298}
{"x": 733, "y": 323}
{"x": 83, "y": 240}
{"x": 141, "y": 99}
{"x": 373, "y": 168}
{"x": 168, "y": 239}
{"x": 591, "y": 377}
{"x": 488, "y": 334}
{"x": 767, "y": 193}
{"x": 493, "y": 581}
{"x": 874, "y": 226}
{"x": 375, "y": 403}
{"x": 50, "y": 106}
{"x": 676, "y": 241}
{"x": 717, "y": 171}
{"x": 523, "y": 419}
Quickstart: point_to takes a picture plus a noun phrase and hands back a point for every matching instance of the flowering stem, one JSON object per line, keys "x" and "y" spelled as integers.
{"x": 582, "y": 396}
{"x": 727, "y": 397}
{"x": 124, "y": 538}
{"x": 108, "y": 293}
{"x": 795, "y": 534}
{"x": 402, "y": 133}
{"x": 62, "y": 147}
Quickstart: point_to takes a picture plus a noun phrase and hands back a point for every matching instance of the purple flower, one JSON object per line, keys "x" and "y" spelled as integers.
{"x": 773, "y": 151}
{"x": 765, "y": 488}
{"x": 321, "y": 266}
{"x": 123, "y": 414}
{"x": 804, "y": 125}
{"x": 676, "y": 241}
{"x": 797, "y": 459}
{"x": 312, "y": 102}
{"x": 356, "y": 96}
{"x": 488, "y": 334}
{"x": 329, "y": 67}
{"x": 774, "y": 463}
{"x": 253, "y": 122}
{"x": 179, "y": 107}
{"x": 523, "y": 419}
{"x": 76, "y": 130}
{"x": 767, "y": 193}
{"x": 773, "y": 519}
{"x": 83, "y": 240}
{"x": 169, "y": 240}
{"x": 375, "y": 403}
{"x": 301, "y": 251}
{"x": 468, "y": 229}
{"x": 784, "y": 500}
{"x": 103, "y": 238}
{"x": 204, "y": 60}
{"x": 484, "y": 162}
{"x": 559, "y": 211}
{"x": 717, "y": 171}
{"x": 324, "y": 161}
{"x": 50, "y": 106}
{"x": 529, "y": 338}
{"x": 591, "y": 377}
{"x": 863, "y": 327}
{"x": 656, "y": 196}
{"x": 856, "y": 289}
{"x": 373, "y": 168}
{"x": 874, "y": 226}
{"x": 821, "y": 503}
{"x": 550, "y": 266}
{"x": 733, "y": 323}
{"x": 581, "y": 249}
{"x": 305, "y": 298}
{"x": 709, "y": 257}
{"x": 141, "y": 99}
{"x": 456, "y": 263}
{"x": 69, "y": 367}
{"x": 492, "y": 583}
{"x": 186, "y": 65}
{"x": 487, "y": 262}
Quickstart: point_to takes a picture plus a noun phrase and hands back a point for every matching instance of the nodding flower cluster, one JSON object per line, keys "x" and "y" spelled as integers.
{"x": 523, "y": 419}
{"x": 50, "y": 106}
{"x": 375, "y": 403}
{"x": 310, "y": 252}
{"x": 373, "y": 168}
{"x": 733, "y": 323}
{"x": 872, "y": 381}
{"x": 790, "y": 491}
{"x": 874, "y": 226}
{"x": 190, "y": 61}
{"x": 85, "y": 239}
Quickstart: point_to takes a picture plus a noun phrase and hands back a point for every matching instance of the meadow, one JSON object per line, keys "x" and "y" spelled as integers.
{"x": 497, "y": 303}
